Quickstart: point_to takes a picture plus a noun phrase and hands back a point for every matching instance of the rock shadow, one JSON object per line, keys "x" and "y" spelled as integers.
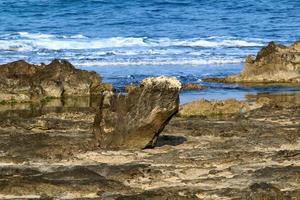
{"x": 170, "y": 140}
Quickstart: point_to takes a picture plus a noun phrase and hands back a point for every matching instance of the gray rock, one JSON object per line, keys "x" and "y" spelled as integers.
{"x": 134, "y": 121}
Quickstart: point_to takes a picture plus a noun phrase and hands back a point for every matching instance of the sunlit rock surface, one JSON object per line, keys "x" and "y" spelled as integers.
{"x": 23, "y": 82}
{"x": 48, "y": 151}
{"x": 274, "y": 63}
{"x": 135, "y": 120}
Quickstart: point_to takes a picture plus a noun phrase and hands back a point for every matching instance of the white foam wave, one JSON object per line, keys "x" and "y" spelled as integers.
{"x": 224, "y": 43}
{"x": 14, "y": 46}
{"x": 38, "y": 41}
{"x": 208, "y": 43}
{"x": 79, "y": 36}
{"x": 157, "y": 62}
{"x": 60, "y": 44}
{"x": 35, "y": 35}
{"x": 204, "y": 43}
{"x": 151, "y": 51}
{"x": 48, "y": 36}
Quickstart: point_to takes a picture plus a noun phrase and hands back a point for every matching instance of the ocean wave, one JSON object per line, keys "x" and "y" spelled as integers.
{"x": 134, "y": 52}
{"x": 14, "y": 46}
{"x": 157, "y": 62}
{"x": 35, "y": 35}
{"x": 208, "y": 43}
{"x": 35, "y": 41}
{"x": 224, "y": 43}
{"x": 79, "y": 36}
{"x": 48, "y": 36}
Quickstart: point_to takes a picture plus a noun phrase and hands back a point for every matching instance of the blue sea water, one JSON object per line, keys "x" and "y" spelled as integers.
{"x": 126, "y": 41}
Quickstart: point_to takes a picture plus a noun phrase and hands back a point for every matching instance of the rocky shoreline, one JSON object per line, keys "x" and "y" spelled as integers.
{"x": 66, "y": 135}
{"x": 274, "y": 63}
{"x": 242, "y": 155}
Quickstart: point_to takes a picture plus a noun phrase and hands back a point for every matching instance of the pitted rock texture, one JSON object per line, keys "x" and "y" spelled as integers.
{"x": 134, "y": 121}
{"x": 275, "y": 63}
{"x": 21, "y": 81}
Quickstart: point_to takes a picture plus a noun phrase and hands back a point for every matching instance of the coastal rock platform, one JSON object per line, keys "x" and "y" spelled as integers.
{"x": 48, "y": 151}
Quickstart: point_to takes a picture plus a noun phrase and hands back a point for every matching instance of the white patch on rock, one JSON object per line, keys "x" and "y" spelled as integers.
{"x": 172, "y": 82}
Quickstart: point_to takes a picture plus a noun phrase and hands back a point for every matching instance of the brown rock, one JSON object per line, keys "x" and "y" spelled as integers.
{"x": 130, "y": 88}
{"x": 21, "y": 81}
{"x": 274, "y": 63}
{"x": 207, "y": 108}
{"x": 296, "y": 46}
{"x": 264, "y": 191}
{"x": 134, "y": 121}
{"x": 192, "y": 86}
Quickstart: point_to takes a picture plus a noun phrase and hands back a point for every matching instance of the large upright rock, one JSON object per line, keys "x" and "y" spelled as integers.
{"x": 21, "y": 81}
{"x": 134, "y": 121}
{"x": 274, "y": 63}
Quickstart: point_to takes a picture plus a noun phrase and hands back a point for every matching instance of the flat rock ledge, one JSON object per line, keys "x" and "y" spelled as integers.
{"x": 24, "y": 82}
{"x": 192, "y": 86}
{"x": 135, "y": 120}
{"x": 274, "y": 63}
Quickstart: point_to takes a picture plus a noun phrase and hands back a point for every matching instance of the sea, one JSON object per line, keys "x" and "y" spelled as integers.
{"x": 127, "y": 41}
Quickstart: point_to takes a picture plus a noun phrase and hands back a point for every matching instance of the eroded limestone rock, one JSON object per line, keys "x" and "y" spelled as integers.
{"x": 134, "y": 121}
{"x": 274, "y": 63}
{"x": 21, "y": 81}
{"x": 205, "y": 108}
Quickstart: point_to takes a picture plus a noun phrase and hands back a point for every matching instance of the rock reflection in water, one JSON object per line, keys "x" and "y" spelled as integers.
{"x": 58, "y": 105}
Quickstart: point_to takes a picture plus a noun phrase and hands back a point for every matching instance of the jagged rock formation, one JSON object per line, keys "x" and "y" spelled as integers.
{"x": 135, "y": 121}
{"x": 21, "y": 81}
{"x": 275, "y": 63}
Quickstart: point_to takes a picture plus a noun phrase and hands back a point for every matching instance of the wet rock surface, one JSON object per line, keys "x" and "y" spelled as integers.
{"x": 23, "y": 82}
{"x": 274, "y": 63}
{"x": 48, "y": 151}
{"x": 135, "y": 120}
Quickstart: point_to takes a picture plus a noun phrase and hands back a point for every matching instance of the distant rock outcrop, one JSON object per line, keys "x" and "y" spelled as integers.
{"x": 192, "y": 86}
{"x": 22, "y": 82}
{"x": 134, "y": 121}
{"x": 205, "y": 108}
{"x": 274, "y": 63}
